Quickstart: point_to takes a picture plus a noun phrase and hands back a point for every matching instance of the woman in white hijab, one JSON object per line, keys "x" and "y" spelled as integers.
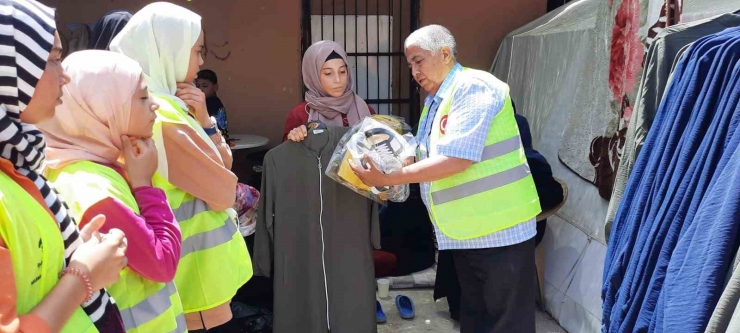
{"x": 194, "y": 162}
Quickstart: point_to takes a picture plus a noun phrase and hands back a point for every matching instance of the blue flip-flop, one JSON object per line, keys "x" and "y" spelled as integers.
{"x": 379, "y": 314}
{"x": 405, "y": 307}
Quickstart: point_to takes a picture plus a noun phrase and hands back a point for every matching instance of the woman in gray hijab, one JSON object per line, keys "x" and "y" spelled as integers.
{"x": 330, "y": 96}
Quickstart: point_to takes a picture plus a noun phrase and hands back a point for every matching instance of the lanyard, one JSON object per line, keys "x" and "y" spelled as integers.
{"x": 428, "y": 125}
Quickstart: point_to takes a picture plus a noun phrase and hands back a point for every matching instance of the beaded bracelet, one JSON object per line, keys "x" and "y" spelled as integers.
{"x": 85, "y": 279}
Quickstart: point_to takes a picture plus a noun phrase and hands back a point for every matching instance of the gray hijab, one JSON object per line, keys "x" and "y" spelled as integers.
{"x": 321, "y": 106}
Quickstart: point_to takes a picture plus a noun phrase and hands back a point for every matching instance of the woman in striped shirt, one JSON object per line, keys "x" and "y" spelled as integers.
{"x": 32, "y": 253}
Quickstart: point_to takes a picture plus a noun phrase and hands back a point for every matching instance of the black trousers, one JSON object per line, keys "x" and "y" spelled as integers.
{"x": 498, "y": 288}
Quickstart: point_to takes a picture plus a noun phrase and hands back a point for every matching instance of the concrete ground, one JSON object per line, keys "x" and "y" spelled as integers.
{"x": 434, "y": 316}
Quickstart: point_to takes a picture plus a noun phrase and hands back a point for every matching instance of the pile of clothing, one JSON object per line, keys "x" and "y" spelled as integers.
{"x": 674, "y": 236}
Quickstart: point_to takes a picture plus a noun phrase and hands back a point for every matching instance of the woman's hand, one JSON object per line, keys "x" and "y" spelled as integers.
{"x": 140, "y": 158}
{"x": 103, "y": 257}
{"x": 298, "y": 134}
{"x": 195, "y": 98}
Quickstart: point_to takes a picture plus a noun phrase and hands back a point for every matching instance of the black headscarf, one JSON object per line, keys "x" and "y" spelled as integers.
{"x": 103, "y": 32}
{"x": 548, "y": 189}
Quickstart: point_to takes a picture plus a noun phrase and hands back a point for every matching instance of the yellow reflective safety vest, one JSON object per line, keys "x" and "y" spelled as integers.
{"x": 491, "y": 195}
{"x": 36, "y": 249}
{"x": 214, "y": 262}
{"x": 145, "y": 305}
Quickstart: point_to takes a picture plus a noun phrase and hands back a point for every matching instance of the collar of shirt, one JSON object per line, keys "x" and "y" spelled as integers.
{"x": 432, "y": 102}
{"x": 444, "y": 88}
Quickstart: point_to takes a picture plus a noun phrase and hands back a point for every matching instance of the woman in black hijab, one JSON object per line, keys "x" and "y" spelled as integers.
{"x": 102, "y": 33}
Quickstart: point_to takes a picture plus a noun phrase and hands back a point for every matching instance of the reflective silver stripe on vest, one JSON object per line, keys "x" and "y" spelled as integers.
{"x": 148, "y": 309}
{"x": 182, "y": 326}
{"x": 189, "y": 209}
{"x": 208, "y": 239}
{"x": 480, "y": 185}
{"x": 501, "y": 148}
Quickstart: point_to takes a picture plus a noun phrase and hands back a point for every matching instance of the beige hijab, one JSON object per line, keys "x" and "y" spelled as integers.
{"x": 160, "y": 38}
{"x": 321, "y": 106}
{"x": 96, "y": 109}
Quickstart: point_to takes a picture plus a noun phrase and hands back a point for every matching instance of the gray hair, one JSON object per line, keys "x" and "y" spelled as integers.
{"x": 432, "y": 38}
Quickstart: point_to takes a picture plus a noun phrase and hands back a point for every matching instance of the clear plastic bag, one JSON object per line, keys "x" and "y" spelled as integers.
{"x": 386, "y": 147}
{"x": 396, "y": 123}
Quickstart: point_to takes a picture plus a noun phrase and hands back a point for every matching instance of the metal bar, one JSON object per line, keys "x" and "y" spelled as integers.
{"x": 357, "y": 60}
{"x": 390, "y": 50}
{"x": 376, "y": 54}
{"x": 333, "y": 21}
{"x": 388, "y": 101}
{"x": 414, "y": 110}
{"x": 322, "y": 20}
{"x": 377, "y": 58}
{"x": 307, "y": 33}
{"x": 400, "y": 48}
{"x": 367, "y": 48}
{"x": 344, "y": 22}
{"x": 398, "y": 80}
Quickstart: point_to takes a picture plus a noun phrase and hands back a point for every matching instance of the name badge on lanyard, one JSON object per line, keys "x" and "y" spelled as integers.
{"x": 422, "y": 152}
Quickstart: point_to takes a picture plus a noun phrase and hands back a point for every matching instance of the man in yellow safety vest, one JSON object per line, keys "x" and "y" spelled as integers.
{"x": 475, "y": 182}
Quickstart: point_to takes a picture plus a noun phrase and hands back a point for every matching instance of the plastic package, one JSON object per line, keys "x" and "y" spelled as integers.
{"x": 398, "y": 124}
{"x": 385, "y": 146}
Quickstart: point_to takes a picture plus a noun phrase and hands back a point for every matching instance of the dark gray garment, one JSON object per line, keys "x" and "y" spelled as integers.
{"x": 678, "y": 58}
{"x": 289, "y": 238}
{"x": 655, "y": 77}
{"x": 726, "y": 316}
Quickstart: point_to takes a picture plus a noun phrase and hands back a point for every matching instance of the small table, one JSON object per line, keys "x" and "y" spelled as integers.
{"x": 246, "y": 141}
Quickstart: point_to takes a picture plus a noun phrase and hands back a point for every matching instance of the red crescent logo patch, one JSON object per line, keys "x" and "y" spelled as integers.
{"x": 443, "y": 124}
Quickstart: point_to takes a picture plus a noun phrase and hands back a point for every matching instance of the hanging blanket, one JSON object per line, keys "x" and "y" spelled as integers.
{"x": 672, "y": 237}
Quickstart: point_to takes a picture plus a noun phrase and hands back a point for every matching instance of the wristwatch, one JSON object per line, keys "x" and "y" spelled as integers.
{"x": 213, "y": 129}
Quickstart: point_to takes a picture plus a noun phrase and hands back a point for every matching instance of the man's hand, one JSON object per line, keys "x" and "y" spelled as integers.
{"x": 428, "y": 170}
{"x": 372, "y": 176}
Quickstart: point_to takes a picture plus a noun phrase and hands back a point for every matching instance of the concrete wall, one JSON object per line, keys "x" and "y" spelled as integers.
{"x": 480, "y": 25}
{"x": 260, "y": 81}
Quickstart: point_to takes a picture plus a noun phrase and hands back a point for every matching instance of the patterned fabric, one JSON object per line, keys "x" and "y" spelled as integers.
{"x": 670, "y": 14}
{"x": 26, "y": 37}
{"x": 245, "y": 205}
{"x": 474, "y": 106}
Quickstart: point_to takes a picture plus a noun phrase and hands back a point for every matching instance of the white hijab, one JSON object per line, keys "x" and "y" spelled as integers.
{"x": 160, "y": 38}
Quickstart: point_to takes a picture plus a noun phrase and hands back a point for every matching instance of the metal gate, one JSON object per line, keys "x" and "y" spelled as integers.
{"x": 372, "y": 32}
